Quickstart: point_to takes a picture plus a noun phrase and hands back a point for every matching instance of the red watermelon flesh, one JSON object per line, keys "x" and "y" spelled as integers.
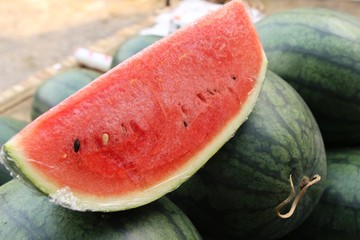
{"x": 144, "y": 127}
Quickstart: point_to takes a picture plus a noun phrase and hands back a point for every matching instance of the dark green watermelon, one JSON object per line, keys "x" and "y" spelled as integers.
{"x": 8, "y": 127}
{"x": 318, "y": 52}
{"x": 338, "y": 212}
{"x": 60, "y": 86}
{"x": 132, "y": 46}
{"x": 25, "y": 214}
{"x": 235, "y": 194}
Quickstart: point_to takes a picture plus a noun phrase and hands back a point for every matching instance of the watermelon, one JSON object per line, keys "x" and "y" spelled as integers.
{"x": 237, "y": 193}
{"x": 147, "y": 125}
{"x": 9, "y": 126}
{"x": 318, "y": 52}
{"x": 132, "y": 46}
{"x": 60, "y": 86}
{"x": 24, "y": 214}
{"x": 337, "y": 214}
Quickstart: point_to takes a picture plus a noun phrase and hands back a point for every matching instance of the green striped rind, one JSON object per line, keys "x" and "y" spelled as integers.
{"x": 236, "y": 193}
{"x": 24, "y": 214}
{"x": 132, "y": 46}
{"x": 8, "y": 128}
{"x": 60, "y": 86}
{"x": 318, "y": 52}
{"x": 337, "y": 216}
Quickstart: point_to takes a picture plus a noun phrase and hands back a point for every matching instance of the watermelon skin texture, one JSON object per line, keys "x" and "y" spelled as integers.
{"x": 337, "y": 214}
{"x": 8, "y": 128}
{"x": 58, "y": 87}
{"x": 25, "y": 214}
{"x": 132, "y": 46}
{"x": 235, "y": 194}
{"x": 318, "y": 52}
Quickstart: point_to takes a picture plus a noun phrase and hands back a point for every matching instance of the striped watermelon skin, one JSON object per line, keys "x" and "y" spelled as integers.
{"x": 8, "y": 128}
{"x": 337, "y": 214}
{"x": 234, "y": 196}
{"x": 25, "y": 214}
{"x": 318, "y": 52}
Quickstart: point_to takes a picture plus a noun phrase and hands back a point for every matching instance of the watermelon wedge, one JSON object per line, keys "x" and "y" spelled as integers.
{"x": 141, "y": 129}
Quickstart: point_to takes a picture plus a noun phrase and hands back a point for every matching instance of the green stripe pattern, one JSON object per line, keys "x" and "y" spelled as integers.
{"x": 235, "y": 194}
{"x": 337, "y": 216}
{"x": 318, "y": 52}
{"x": 26, "y": 214}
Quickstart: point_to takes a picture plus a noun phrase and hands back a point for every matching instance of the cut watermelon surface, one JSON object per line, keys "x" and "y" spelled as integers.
{"x": 141, "y": 129}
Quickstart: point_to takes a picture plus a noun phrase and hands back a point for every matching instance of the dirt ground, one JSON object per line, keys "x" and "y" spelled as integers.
{"x": 36, "y": 34}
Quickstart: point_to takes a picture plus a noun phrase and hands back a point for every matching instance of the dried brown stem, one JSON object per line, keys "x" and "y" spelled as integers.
{"x": 303, "y": 188}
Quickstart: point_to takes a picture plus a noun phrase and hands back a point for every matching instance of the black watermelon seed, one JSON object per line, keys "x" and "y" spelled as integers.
{"x": 76, "y": 145}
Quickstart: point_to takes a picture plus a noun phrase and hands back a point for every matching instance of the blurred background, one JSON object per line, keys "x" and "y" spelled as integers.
{"x": 38, "y": 33}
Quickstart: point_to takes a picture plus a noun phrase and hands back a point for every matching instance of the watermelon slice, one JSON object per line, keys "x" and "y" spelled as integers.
{"x": 141, "y": 129}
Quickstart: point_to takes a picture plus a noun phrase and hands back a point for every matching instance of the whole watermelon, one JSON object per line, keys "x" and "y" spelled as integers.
{"x": 9, "y": 126}
{"x": 318, "y": 52}
{"x": 337, "y": 214}
{"x": 235, "y": 195}
{"x": 60, "y": 86}
{"x": 25, "y": 214}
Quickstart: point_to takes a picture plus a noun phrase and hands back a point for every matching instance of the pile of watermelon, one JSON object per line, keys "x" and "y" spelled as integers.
{"x": 224, "y": 129}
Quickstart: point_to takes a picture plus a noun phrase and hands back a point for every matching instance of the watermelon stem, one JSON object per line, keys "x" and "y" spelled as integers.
{"x": 305, "y": 184}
